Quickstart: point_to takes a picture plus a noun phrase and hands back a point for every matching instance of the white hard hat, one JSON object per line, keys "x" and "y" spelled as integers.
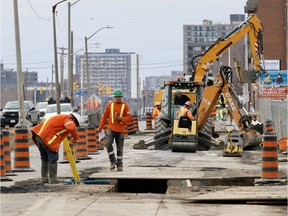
{"x": 77, "y": 117}
{"x": 188, "y": 103}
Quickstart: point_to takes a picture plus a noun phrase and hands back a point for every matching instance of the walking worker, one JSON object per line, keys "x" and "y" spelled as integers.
{"x": 48, "y": 135}
{"x": 117, "y": 113}
{"x": 156, "y": 110}
{"x": 185, "y": 111}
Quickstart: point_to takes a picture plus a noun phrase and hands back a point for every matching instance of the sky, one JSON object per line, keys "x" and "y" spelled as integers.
{"x": 151, "y": 28}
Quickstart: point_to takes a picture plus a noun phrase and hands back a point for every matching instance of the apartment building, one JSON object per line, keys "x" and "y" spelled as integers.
{"x": 198, "y": 38}
{"x": 113, "y": 68}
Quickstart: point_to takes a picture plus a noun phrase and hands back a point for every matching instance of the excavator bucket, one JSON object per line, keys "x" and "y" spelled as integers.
{"x": 251, "y": 139}
{"x": 243, "y": 75}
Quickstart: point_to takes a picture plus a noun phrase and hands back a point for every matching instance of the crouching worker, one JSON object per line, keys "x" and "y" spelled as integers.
{"x": 48, "y": 136}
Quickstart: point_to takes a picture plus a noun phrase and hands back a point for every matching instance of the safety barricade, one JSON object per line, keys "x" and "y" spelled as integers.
{"x": 148, "y": 121}
{"x": 21, "y": 151}
{"x": 91, "y": 140}
{"x": 7, "y": 153}
{"x": 130, "y": 127}
{"x": 126, "y": 132}
{"x": 81, "y": 146}
{"x": 135, "y": 123}
{"x": 3, "y": 176}
{"x": 269, "y": 157}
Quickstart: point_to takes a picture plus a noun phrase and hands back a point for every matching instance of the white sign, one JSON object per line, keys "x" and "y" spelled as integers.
{"x": 272, "y": 64}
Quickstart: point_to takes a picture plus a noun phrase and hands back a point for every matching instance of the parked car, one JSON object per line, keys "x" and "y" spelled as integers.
{"x": 64, "y": 108}
{"x": 42, "y": 107}
{"x": 10, "y": 113}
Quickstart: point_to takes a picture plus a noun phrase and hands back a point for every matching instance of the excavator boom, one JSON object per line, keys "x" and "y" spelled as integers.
{"x": 251, "y": 26}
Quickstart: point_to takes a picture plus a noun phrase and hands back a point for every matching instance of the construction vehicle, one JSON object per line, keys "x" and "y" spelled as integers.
{"x": 198, "y": 135}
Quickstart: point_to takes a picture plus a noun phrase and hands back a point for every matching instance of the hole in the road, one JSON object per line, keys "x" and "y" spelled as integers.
{"x": 142, "y": 186}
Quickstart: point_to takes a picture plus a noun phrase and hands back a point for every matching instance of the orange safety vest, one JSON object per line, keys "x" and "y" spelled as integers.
{"x": 156, "y": 112}
{"x": 53, "y": 130}
{"x": 183, "y": 111}
{"x": 123, "y": 111}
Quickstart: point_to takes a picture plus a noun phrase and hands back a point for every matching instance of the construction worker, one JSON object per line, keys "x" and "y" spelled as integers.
{"x": 254, "y": 120}
{"x": 223, "y": 109}
{"x": 185, "y": 111}
{"x": 156, "y": 110}
{"x": 213, "y": 123}
{"x": 180, "y": 99}
{"x": 117, "y": 113}
{"x": 48, "y": 136}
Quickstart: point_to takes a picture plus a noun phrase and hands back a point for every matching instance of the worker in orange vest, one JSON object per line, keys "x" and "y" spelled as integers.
{"x": 117, "y": 113}
{"x": 185, "y": 111}
{"x": 48, "y": 136}
{"x": 156, "y": 110}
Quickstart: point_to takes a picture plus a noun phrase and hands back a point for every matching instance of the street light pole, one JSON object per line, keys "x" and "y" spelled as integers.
{"x": 55, "y": 58}
{"x": 86, "y": 50}
{"x": 70, "y": 56}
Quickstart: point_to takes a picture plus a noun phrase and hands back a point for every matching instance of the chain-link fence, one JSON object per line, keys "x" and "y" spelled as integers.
{"x": 276, "y": 111}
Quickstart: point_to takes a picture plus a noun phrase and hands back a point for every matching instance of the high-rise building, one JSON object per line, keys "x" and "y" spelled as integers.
{"x": 198, "y": 38}
{"x": 112, "y": 68}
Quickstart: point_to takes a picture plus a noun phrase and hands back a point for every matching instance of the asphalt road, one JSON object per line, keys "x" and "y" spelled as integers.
{"x": 201, "y": 183}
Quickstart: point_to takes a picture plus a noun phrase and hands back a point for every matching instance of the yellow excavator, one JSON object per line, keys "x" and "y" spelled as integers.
{"x": 171, "y": 133}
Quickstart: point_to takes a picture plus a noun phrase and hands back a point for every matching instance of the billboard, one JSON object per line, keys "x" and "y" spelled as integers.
{"x": 273, "y": 85}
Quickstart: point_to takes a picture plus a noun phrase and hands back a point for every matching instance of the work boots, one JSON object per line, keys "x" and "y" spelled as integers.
{"x": 53, "y": 174}
{"x": 44, "y": 172}
{"x": 119, "y": 165}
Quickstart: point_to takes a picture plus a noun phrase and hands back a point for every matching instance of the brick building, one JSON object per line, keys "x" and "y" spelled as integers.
{"x": 273, "y": 15}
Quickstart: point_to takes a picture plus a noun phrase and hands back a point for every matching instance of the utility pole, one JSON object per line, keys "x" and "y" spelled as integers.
{"x": 22, "y": 120}
{"x": 62, "y": 69}
{"x": 52, "y": 84}
{"x": 70, "y": 56}
{"x": 71, "y": 90}
{"x": 55, "y": 58}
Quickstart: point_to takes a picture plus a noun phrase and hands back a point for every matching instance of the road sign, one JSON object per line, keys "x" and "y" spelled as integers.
{"x": 81, "y": 93}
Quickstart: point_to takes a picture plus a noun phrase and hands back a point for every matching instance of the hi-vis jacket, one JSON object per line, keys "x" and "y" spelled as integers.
{"x": 123, "y": 111}
{"x": 53, "y": 130}
{"x": 183, "y": 111}
{"x": 156, "y": 112}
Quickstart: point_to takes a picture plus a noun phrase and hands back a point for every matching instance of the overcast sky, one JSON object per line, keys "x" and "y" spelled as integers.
{"x": 151, "y": 28}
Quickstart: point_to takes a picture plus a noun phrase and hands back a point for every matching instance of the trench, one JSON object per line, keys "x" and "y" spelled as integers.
{"x": 160, "y": 186}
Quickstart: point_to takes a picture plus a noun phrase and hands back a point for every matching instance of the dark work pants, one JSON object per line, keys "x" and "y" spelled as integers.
{"x": 119, "y": 139}
{"x": 46, "y": 154}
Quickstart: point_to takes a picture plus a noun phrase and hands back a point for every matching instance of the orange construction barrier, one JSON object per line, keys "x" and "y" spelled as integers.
{"x": 135, "y": 123}
{"x": 126, "y": 132}
{"x": 269, "y": 157}
{"x": 148, "y": 121}
{"x": 81, "y": 146}
{"x": 7, "y": 153}
{"x": 91, "y": 140}
{"x": 2, "y": 161}
{"x": 21, "y": 151}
